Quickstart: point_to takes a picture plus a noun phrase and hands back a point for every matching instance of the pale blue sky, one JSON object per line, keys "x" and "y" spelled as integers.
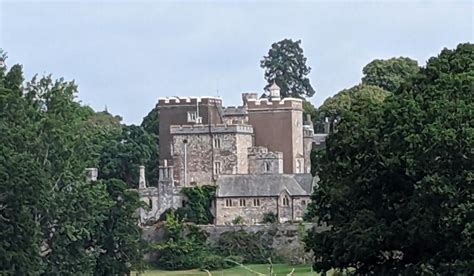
{"x": 128, "y": 54}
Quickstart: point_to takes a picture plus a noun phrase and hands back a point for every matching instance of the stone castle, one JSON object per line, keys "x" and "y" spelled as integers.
{"x": 257, "y": 154}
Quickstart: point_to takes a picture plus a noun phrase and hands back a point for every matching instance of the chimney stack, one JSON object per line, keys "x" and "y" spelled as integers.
{"x": 142, "y": 181}
{"x": 91, "y": 174}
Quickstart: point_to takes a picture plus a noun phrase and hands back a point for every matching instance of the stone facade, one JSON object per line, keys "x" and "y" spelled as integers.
{"x": 263, "y": 162}
{"x": 202, "y": 153}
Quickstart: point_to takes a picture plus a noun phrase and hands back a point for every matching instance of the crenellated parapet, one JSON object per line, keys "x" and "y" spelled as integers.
{"x": 285, "y": 103}
{"x": 167, "y": 101}
{"x": 234, "y": 111}
{"x": 217, "y": 128}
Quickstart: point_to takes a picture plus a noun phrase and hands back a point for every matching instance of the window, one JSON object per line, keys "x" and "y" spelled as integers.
{"x": 150, "y": 203}
{"x": 286, "y": 201}
{"x": 228, "y": 202}
{"x": 303, "y": 202}
{"x": 217, "y": 142}
{"x": 192, "y": 116}
{"x": 256, "y": 202}
{"x": 299, "y": 166}
{"x": 242, "y": 202}
{"x": 267, "y": 166}
{"x": 217, "y": 168}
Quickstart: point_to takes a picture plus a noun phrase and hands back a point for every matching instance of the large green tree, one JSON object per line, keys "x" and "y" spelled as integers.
{"x": 389, "y": 74}
{"x": 396, "y": 180}
{"x": 285, "y": 65}
{"x": 51, "y": 219}
{"x": 344, "y": 101}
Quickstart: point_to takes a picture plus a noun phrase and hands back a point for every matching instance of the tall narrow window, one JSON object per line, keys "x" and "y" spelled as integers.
{"x": 150, "y": 203}
{"x": 285, "y": 201}
{"x": 217, "y": 168}
{"x": 217, "y": 142}
{"x": 192, "y": 115}
{"x": 256, "y": 202}
{"x": 242, "y": 202}
{"x": 228, "y": 202}
{"x": 267, "y": 166}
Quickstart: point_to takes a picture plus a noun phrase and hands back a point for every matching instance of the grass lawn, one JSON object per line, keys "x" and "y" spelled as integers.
{"x": 278, "y": 269}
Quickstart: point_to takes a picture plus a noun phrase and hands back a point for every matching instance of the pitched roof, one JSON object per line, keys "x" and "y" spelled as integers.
{"x": 263, "y": 185}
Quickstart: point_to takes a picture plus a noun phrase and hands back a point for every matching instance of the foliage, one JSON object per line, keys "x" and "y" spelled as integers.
{"x": 128, "y": 148}
{"x": 185, "y": 246}
{"x": 389, "y": 74}
{"x": 238, "y": 220}
{"x": 285, "y": 65}
{"x": 252, "y": 247}
{"x": 334, "y": 107}
{"x": 198, "y": 205}
{"x": 396, "y": 180}
{"x": 269, "y": 217}
{"x": 51, "y": 220}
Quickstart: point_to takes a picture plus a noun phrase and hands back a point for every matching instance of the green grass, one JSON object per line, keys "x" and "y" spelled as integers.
{"x": 278, "y": 269}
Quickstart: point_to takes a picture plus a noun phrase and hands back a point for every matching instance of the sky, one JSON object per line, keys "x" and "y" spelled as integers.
{"x": 125, "y": 55}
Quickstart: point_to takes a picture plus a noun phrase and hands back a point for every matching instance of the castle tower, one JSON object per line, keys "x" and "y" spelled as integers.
{"x": 185, "y": 111}
{"x": 278, "y": 125}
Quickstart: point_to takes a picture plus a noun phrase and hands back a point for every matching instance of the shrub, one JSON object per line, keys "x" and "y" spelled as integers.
{"x": 269, "y": 217}
{"x": 252, "y": 247}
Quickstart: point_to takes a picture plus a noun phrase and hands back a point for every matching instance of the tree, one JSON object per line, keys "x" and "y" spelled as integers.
{"x": 396, "y": 180}
{"x": 151, "y": 124}
{"x": 389, "y": 74}
{"x": 285, "y": 65}
{"x": 51, "y": 219}
{"x": 343, "y": 101}
{"x": 129, "y": 148}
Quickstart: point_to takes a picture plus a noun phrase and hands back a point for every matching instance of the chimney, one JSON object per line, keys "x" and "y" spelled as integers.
{"x": 91, "y": 174}
{"x": 308, "y": 120}
{"x": 326, "y": 125}
{"x": 142, "y": 181}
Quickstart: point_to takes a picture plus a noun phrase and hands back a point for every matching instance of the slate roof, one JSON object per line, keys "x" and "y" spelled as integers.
{"x": 245, "y": 185}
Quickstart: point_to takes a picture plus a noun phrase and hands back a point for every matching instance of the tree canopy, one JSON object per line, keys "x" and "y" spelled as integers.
{"x": 285, "y": 65}
{"x": 389, "y": 74}
{"x": 396, "y": 179}
{"x": 51, "y": 219}
{"x": 345, "y": 100}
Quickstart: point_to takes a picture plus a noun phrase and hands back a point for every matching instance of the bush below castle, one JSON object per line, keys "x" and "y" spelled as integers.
{"x": 185, "y": 246}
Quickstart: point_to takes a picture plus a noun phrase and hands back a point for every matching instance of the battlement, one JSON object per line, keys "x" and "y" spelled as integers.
{"x": 204, "y": 129}
{"x": 256, "y": 150}
{"x": 285, "y": 103}
{"x": 189, "y": 100}
{"x": 234, "y": 110}
{"x": 262, "y": 153}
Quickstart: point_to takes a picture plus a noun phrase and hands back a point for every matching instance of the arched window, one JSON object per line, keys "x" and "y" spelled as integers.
{"x": 286, "y": 201}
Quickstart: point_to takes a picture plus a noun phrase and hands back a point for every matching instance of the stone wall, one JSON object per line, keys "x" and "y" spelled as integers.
{"x": 207, "y": 149}
{"x": 250, "y": 213}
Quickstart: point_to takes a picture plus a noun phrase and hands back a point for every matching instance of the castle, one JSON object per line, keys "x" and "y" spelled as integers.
{"x": 257, "y": 154}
